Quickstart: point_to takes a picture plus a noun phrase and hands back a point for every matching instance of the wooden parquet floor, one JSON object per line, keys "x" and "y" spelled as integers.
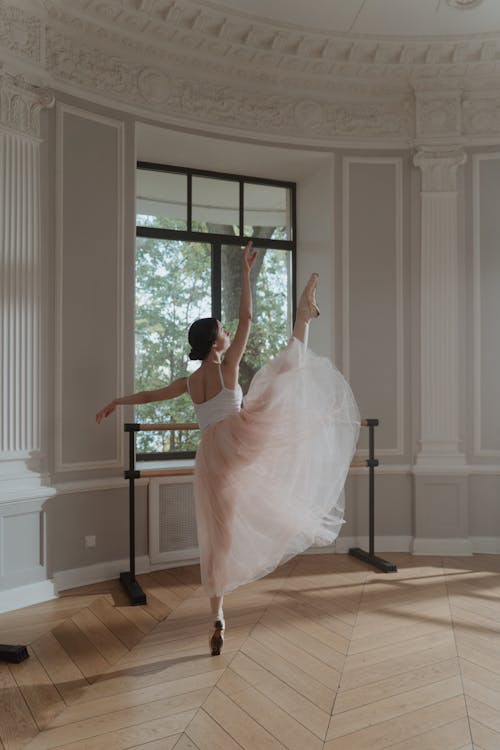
{"x": 324, "y": 654}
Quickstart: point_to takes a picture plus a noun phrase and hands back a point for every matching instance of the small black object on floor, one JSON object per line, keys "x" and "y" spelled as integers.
{"x": 13, "y": 654}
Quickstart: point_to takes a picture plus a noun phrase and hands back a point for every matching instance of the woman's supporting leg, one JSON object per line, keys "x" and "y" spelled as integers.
{"x": 306, "y": 309}
{"x": 216, "y": 607}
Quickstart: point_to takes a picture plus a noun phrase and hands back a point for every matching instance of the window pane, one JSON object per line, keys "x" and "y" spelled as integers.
{"x": 173, "y": 288}
{"x": 161, "y": 199}
{"x": 215, "y": 205}
{"x": 271, "y": 281}
{"x": 267, "y": 207}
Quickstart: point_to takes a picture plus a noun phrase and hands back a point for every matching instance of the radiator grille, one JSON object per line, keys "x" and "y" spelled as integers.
{"x": 177, "y": 522}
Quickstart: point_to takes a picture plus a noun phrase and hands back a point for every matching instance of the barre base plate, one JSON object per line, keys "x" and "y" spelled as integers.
{"x": 136, "y": 594}
{"x": 377, "y": 562}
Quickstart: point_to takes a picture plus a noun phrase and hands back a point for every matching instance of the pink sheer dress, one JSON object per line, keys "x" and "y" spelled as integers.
{"x": 269, "y": 477}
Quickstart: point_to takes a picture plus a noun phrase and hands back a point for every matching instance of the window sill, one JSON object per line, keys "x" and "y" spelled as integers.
{"x": 177, "y": 467}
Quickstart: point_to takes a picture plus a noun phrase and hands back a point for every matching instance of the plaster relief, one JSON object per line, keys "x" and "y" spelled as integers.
{"x": 481, "y": 116}
{"x": 19, "y": 32}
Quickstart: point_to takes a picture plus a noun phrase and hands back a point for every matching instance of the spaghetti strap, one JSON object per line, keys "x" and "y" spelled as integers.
{"x": 220, "y": 375}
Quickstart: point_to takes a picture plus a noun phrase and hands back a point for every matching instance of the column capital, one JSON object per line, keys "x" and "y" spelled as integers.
{"x": 439, "y": 167}
{"x": 21, "y": 103}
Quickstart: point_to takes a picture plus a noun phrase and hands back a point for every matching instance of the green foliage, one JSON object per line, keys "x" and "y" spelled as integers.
{"x": 173, "y": 288}
{"x": 271, "y": 325}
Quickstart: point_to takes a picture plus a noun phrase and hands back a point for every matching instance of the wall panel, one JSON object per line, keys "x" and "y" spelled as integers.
{"x": 372, "y": 270}
{"x": 486, "y": 296}
{"x": 89, "y": 287}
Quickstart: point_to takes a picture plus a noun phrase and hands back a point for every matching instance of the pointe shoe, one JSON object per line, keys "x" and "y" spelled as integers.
{"x": 308, "y": 307}
{"x": 217, "y": 639}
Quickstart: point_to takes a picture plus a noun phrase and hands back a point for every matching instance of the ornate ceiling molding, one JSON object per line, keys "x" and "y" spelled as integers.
{"x": 438, "y": 115}
{"x": 185, "y": 62}
{"x": 203, "y": 34}
{"x": 200, "y": 99}
{"x": 20, "y": 33}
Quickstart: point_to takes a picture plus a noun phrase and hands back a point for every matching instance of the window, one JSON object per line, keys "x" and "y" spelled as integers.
{"x": 190, "y": 227}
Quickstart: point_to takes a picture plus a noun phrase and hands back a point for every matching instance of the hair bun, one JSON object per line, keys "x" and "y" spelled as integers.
{"x": 201, "y": 336}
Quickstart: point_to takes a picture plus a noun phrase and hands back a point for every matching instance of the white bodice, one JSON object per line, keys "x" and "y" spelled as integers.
{"x": 222, "y": 405}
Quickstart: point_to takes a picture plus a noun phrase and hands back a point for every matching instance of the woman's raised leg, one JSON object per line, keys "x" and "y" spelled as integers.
{"x": 306, "y": 309}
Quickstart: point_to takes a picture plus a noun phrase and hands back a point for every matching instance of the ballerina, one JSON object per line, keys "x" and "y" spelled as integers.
{"x": 269, "y": 477}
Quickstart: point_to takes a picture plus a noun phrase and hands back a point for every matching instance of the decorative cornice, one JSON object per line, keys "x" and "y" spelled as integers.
{"x": 21, "y": 104}
{"x": 187, "y": 61}
{"x": 239, "y": 43}
{"x": 481, "y": 115}
{"x": 438, "y": 115}
{"x": 199, "y": 98}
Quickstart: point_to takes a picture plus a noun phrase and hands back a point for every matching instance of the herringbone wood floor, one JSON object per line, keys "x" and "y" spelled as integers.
{"x": 324, "y": 654}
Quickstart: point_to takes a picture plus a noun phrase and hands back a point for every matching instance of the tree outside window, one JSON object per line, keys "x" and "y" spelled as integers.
{"x": 188, "y": 267}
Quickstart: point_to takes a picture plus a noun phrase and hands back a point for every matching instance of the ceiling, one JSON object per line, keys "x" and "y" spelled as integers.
{"x": 399, "y": 18}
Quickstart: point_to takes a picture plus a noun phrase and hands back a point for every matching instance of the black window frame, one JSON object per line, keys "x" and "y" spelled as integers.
{"x": 216, "y": 241}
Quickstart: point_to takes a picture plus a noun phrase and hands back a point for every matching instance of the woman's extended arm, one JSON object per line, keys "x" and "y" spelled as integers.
{"x": 237, "y": 348}
{"x": 177, "y": 388}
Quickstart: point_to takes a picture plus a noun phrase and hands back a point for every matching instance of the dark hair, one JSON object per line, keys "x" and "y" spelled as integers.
{"x": 201, "y": 336}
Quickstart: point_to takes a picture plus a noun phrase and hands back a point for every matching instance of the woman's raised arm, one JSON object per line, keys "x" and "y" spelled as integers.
{"x": 237, "y": 348}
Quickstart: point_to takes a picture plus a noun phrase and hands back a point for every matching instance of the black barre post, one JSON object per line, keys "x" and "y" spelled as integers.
{"x": 371, "y": 487}
{"x": 128, "y": 579}
{"x": 370, "y": 557}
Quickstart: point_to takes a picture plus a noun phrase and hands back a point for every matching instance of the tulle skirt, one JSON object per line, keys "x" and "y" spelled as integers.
{"x": 269, "y": 479}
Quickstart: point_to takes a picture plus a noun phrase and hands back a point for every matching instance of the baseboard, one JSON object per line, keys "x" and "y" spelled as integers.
{"x": 486, "y": 545}
{"x": 178, "y": 563}
{"x": 34, "y": 593}
{"x": 69, "y": 579}
{"x": 389, "y": 543}
{"x": 442, "y": 547}
{"x": 174, "y": 559}
{"x": 25, "y": 596}
{"x": 328, "y": 549}
{"x": 75, "y": 577}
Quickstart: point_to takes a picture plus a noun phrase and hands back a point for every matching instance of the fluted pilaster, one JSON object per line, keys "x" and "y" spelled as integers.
{"x": 20, "y": 282}
{"x": 20, "y": 293}
{"x": 439, "y": 340}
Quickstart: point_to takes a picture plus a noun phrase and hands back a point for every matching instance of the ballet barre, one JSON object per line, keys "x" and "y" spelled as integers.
{"x": 128, "y": 579}
{"x": 371, "y": 462}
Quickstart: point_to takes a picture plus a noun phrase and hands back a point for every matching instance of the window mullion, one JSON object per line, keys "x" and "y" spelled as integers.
{"x": 216, "y": 279}
{"x": 242, "y": 215}
{"x": 189, "y": 202}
